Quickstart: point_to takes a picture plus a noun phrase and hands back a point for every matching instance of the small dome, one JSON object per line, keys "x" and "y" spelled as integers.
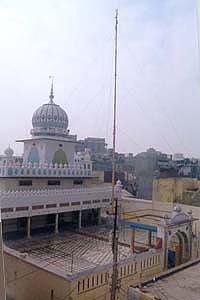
{"x": 9, "y": 152}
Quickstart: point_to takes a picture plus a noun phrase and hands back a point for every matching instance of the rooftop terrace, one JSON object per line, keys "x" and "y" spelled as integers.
{"x": 67, "y": 254}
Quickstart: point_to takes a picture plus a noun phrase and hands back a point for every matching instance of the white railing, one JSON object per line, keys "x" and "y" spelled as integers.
{"x": 45, "y": 170}
{"x": 16, "y": 204}
{"x": 53, "y": 192}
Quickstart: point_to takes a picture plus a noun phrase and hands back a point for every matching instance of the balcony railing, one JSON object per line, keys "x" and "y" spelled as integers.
{"x": 44, "y": 170}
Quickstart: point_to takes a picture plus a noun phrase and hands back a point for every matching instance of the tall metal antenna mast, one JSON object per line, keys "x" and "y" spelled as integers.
{"x": 114, "y": 115}
{"x": 114, "y": 199}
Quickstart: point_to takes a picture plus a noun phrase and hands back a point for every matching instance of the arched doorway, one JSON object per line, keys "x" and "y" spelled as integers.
{"x": 185, "y": 248}
{"x": 177, "y": 249}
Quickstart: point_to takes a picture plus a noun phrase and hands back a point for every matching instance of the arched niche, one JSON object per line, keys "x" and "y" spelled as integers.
{"x": 59, "y": 157}
{"x": 33, "y": 156}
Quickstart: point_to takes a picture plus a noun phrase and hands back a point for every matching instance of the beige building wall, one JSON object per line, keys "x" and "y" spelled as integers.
{"x": 37, "y": 183}
{"x": 133, "y": 204}
{"x": 42, "y": 183}
{"x": 26, "y": 281}
{"x": 172, "y": 189}
{"x": 98, "y": 175}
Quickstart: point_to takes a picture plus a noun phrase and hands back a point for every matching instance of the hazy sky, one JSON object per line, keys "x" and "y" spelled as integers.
{"x": 158, "y": 80}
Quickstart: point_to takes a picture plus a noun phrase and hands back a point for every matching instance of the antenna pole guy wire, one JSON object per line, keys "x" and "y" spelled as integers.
{"x": 114, "y": 284}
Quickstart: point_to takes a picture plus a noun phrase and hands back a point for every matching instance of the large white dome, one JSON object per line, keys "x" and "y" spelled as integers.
{"x": 50, "y": 115}
{"x": 50, "y": 119}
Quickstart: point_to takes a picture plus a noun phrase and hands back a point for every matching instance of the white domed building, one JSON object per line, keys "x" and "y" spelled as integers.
{"x": 49, "y": 164}
{"x": 50, "y": 189}
{"x": 51, "y": 142}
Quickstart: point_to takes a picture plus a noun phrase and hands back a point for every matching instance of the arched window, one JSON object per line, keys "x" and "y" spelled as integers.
{"x": 33, "y": 156}
{"x": 59, "y": 157}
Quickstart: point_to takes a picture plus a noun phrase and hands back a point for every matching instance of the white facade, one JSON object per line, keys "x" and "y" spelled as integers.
{"x": 47, "y": 148}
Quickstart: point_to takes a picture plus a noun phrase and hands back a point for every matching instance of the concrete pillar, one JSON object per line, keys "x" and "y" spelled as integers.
{"x": 99, "y": 216}
{"x": 133, "y": 239}
{"x": 165, "y": 247}
{"x": 56, "y": 223}
{"x": 28, "y": 227}
{"x": 2, "y": 270}
{"x": 80, "y": 219}
{"x": 190, "y": 241}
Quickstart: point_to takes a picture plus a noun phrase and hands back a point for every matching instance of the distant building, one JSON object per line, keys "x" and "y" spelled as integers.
{"x": 178, "y": 157}
{"x": 146, "y": 165}
{"x": 97, "y": 146}
{"x": 173, "y": 190}
{"x": 102, "y": 161}
{"x": 154, "y": 164}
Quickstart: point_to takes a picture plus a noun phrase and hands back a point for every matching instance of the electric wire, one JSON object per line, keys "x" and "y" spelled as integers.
{"x": 151, "y": 120}
{"x": 94, "y": 99}
{"x": 77, "y": 86}
{"x": 124, "y": 132}
{"x": 155, "y": 99}
{"x": 84, "y": 79}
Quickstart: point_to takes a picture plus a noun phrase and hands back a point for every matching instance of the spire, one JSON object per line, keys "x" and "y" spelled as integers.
{"x": 51, "y": 96}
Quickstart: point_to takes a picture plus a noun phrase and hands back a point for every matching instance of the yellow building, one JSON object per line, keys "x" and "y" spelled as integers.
{"x": 167, "y": 192}
{"x": 171, "y": 190}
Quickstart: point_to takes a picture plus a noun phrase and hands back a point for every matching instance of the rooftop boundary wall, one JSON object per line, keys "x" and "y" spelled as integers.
{"x": 82, "y": 286}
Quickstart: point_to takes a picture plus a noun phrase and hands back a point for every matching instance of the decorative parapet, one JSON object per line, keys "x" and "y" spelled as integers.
{"x": 16, "y": 204}
{"x": 45, "y": 170}
{"x": 54, "y": 192}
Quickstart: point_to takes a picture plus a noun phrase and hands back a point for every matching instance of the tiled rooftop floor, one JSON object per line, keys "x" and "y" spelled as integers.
{"x": 68, "y": 252}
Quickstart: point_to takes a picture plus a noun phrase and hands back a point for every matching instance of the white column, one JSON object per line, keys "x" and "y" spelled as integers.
{"x": 28, "y": 227}
{"x": 56, "y": 223}
{"x": 79, "y": 219}
{"x": 2, "y": 269}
